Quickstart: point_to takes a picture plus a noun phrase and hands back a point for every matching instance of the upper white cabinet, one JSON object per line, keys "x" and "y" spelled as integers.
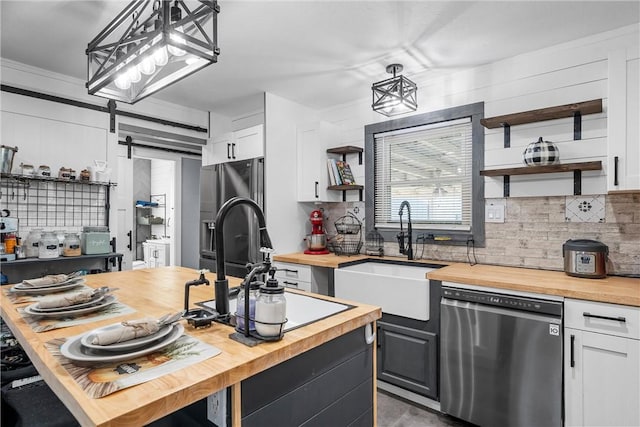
{"x": 602, "y": 364}
{"x": 313, "y": 177}
{"x": 623, "y": 129}
{"x": 232, "y": 146}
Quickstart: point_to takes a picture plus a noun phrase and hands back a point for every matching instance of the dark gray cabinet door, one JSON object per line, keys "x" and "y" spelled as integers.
{"x": 408, "y": 358}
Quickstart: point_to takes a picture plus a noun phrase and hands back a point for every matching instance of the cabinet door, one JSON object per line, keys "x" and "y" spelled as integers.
{"x": 311, "y": 165}
{"x": 408, "y": 358}
{"x": 248, "y": 143}
{"x": 220, "y": 150}
{"x": 602, "y": 379}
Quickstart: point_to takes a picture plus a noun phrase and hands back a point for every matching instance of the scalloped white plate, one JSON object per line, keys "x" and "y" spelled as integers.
{"x": 125, "y": 345}
{"x": 74, "y": 350}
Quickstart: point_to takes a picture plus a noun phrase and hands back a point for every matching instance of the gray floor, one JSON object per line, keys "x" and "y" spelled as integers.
{"x": 395, "y": 412}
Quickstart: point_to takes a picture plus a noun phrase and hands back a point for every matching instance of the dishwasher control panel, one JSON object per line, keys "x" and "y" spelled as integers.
{"x": 502, "y": 300}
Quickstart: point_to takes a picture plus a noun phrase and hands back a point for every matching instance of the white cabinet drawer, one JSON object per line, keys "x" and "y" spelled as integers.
{"x": 295, "y": 284}
{"x": 611, "y": 319}
{"x": 294, "y": 272}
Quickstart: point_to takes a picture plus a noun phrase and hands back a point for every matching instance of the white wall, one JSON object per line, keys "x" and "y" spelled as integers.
{"x": 568, "y": 73}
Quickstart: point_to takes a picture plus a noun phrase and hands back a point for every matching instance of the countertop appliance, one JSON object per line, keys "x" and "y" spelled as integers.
{"x": 218, "y": 184}
{"x": 501, "y": 358}
{"x": 585, "y": 258}
{"x": 317, "y": 240}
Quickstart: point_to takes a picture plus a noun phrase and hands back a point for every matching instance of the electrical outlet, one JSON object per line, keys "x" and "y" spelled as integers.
{"x": 217, "y": 408}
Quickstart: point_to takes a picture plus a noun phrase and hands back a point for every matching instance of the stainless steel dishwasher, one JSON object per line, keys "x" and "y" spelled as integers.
{"x": 501, "y": 358}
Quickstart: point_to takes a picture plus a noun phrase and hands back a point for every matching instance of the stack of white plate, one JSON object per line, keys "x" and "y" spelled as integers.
{"x": 48, "y": 289}
{"x": 96, "y": 303}
{"x": 81, "y": 349}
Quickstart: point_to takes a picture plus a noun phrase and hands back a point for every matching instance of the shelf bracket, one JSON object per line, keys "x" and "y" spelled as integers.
{"x": 577, "y": 126}
{"x": 507, "y": 135}
{"x": 577, "y": 182}
{"x": 505, "y": 185}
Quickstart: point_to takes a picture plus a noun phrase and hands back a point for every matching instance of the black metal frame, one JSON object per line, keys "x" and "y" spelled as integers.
{"x": 396, "y": 89}
{"x": 150, "y": 28}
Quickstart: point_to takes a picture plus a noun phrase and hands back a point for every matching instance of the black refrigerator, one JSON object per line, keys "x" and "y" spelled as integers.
{"x": 219, "y": 183}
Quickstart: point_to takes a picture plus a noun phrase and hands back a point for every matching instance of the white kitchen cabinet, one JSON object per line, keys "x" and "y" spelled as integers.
{"x": 623, "y": 150}
{"x": 156, "y": 254}
{"x": 303, "y": 277}
{"x": 233, "y": 146}
{"x": 311, "y": 162}
{"x": 602, "y": 364}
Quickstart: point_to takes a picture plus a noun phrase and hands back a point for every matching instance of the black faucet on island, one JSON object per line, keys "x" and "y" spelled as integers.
{"x": 222, "y": 283}
{"x": 408, "y": 251}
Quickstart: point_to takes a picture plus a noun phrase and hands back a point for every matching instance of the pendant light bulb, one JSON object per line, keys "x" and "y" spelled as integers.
{"x": 134, "y": 74}
{"x": 122, "y": 82}
{"x": 160, "y": 56}
{"x": 175, "y": 50}
{"x": 148, "y": 65}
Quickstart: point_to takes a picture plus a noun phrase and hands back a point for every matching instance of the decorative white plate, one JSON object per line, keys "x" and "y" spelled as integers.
{"x": 94, "y": 300}
{"x": 125, "y": 345}
{"x": 108, "y": 300}
{"x": 48, "y": 289}
{"x": 23, "y": 285}
{"x": 74, "y": 350}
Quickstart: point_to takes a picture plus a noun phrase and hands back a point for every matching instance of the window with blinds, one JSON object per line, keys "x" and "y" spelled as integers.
{"x": 429, "y": 166}
{"x": 433, "y": 161}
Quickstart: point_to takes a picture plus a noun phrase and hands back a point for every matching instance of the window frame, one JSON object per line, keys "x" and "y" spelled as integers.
{"x": 473, "y": 111}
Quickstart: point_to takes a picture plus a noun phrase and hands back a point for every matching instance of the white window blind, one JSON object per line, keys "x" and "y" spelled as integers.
{"x": 430, "y": 167}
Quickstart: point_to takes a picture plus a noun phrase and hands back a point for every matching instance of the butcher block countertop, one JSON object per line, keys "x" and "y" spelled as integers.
{"x": 154, "y": 292}
{"x": 612, "y": 289}
{"x": 334, "y": 261}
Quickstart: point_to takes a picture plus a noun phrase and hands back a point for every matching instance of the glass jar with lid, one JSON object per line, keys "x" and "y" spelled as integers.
{"x": 271, "y": 310}
{"x": 48, "y": 245}
{"x": 32, "y": 243}
{"x": 71, "y": 246}
{"x": 240, "y": 307}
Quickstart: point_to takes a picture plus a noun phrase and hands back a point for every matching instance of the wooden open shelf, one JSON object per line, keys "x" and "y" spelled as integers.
{"x": 529, "y": 170}
{"x": 343, "y": 151}
{"x": 576, "y": 168}
{"x": 561, "y": 111}
{"x": 346, "y": 187}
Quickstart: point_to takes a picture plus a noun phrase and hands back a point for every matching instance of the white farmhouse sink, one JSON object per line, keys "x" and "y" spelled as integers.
{"x": 398, "y": 289}
{"x": 301, "y": 309}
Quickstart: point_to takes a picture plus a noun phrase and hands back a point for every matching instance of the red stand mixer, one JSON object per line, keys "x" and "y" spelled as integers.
{"x": 317, "y": 240}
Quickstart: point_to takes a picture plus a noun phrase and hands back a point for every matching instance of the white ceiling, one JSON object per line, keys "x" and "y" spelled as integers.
{"x": 317, "y": 53}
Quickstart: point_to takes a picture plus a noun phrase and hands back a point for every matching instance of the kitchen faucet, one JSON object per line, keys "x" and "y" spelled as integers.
{"x": 408, "y": 251}
{"x": 222, "y": 283}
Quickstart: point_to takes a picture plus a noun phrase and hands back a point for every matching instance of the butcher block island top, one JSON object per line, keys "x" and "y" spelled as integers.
{"x": 611, "y": 289}
{"x": 155, "y": 292}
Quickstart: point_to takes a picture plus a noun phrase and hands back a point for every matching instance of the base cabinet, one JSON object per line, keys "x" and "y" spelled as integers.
{"x": 330, "y": 385}
{"x": 408, "y": 358}
{"x": 602, "y": 364}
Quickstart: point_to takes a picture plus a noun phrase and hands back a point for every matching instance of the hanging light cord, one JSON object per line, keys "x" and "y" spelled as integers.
{"x": 471, "y": 250}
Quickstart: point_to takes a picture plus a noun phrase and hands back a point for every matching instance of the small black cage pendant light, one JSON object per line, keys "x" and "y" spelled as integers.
{"x": 397, "y": 95}
{"x": 150, "y": 45}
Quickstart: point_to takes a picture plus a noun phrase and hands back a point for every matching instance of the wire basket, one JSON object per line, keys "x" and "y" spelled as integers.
{"x": 348, "y": 241}
{"x": 348, "y": 224}
{"x": 345, "y": 244}
{"x": 374, "y": 244}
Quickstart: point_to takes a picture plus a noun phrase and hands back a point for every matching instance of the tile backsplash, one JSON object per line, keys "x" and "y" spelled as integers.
{"x": 533, "y": 233}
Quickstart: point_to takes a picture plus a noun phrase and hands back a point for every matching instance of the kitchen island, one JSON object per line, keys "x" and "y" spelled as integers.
{"x": 154, "y": 292}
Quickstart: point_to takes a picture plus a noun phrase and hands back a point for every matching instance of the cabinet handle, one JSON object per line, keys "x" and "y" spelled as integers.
{"x": 233, "y": 150}
{"x": 615, "y": 170}
{"x": 597, "y": 316}
{"x": 228, "y": 151}
{"x": 317, "y": 190}
{"x": 573, "y": 359}
{"x": 379, "y": 343}
{"x": 130, "y": 233}
{"x": 290, "y": 284}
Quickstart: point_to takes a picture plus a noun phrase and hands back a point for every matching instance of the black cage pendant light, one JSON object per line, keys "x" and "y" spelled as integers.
{"x": 150, "y": 45}
{"x": 397, "y": 95}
